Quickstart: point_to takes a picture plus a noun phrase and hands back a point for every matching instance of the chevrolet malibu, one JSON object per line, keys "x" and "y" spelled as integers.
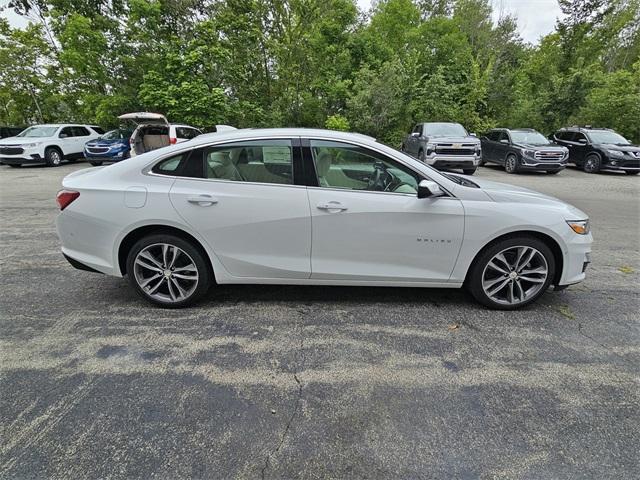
{"x": 313, "y": 207}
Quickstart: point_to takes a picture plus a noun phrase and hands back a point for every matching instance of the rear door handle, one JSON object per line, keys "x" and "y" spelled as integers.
{"x": 332, "y": 206}
{"x": 203, "y": 200}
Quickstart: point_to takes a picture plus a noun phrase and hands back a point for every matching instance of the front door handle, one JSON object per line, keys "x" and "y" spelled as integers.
{"x": 203, "y": 200}
{"x": 333, "y": 205}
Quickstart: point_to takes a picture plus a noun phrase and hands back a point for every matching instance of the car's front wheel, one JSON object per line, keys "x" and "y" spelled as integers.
{"x": 96, "y": 164}
{"x": 511, "y": 273}
{"x": 469, "y": 171}
{"x": 168, "y": 270}
{"x": 52, "y": 157}
{"x": 592, "y": 164}
{"x": 511, "y": 164}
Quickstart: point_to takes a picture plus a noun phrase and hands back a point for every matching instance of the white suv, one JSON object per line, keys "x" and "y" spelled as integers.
{"x": 153, "y": 131}
{"x": 49, "y": 144}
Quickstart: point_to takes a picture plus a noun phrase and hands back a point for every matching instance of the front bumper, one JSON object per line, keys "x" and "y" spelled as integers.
{"x": 624, "y": 165}
{"x": 576, "y": 259}
{"x": 535, "y": 164}
{"x": 21, "y": 159}
{"x": 453, "y": 161}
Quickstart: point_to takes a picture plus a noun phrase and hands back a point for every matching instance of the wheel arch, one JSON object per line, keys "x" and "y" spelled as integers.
{"x": 136, "y": 234}
{"x": 548, "y": 240}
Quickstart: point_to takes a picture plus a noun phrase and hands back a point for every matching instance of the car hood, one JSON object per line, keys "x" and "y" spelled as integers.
{"x": 468, "y": 139}
{"x": 504, "y": 193}
{"x": 546, "y": 148}
{"x": 105, "y": 143}
{"x": 620, "y": 148}
{"x": 22, "y": 140}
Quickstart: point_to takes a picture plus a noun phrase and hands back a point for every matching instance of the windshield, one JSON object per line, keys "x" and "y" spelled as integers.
{"x": 117, "y": 134}
{"x": 34, "y": 132}
{"x": 445, "y": 130}
{"x": 605, "y": 136}
{"x": 530, "y": 138}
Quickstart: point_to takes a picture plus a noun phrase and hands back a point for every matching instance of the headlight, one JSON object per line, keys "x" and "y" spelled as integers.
{"x": 615, "y": 153}
{"x": 30, "y": 145}
{"x": 581, "y": 227}
{"x": 431, "y": 147}
{"x": 529, "y": 153}
{"x": 566, "y": 153}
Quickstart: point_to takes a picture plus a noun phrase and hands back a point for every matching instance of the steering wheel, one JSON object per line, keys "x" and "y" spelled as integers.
{"x": 377, "y": 181}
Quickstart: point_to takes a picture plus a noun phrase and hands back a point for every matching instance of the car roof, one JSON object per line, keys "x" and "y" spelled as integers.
{"x": 60, "y": 125}
{"x": 279, "y": 132}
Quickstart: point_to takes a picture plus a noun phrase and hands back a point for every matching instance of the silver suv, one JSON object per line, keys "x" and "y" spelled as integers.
{"x": 444, "y": 146}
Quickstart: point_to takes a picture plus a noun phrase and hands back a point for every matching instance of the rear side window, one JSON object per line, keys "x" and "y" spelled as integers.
{"x": 170, "y": 166}
{"x": 493, "y": 136}
{"x": 66, "y": 132}
{"x": 99, "y": 130}
{"x": 260, "y": 161}
{"x": 80, "y": 132}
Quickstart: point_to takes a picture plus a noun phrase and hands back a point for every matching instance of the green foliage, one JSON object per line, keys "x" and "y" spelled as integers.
{"x": 312, "y": 63}
{"x": 337, "y": 122}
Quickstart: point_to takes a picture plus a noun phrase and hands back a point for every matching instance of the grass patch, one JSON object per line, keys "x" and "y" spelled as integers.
{"x": 565, "y": 311}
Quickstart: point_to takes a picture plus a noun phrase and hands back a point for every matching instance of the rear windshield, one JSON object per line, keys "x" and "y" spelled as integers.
{"x": 34, "y": 132}
{"x": 444, "y": 130}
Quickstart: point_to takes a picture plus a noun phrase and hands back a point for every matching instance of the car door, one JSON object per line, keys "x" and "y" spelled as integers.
{"x": 360, "y": 232}
{"x": 488, "y": 143}
{"x": 501, "y": 148}
{"x": 578, "y": 148}
{"x": 67, "y": 141}
{"x": 81, "y": 135}
{"x": 247, "y": 206}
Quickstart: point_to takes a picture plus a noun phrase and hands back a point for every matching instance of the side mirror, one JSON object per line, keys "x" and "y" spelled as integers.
{"x": 582, "y": 141}
{"x": 415, "y": 134}
{"x": 505, "y": 141}
{"x": 473, "y": 134}
{"x": 63, "y": 135}
{"x": 428, "y": 188}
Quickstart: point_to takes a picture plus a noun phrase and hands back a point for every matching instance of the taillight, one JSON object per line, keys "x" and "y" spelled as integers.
{"x": 173, "y": 140}
{"x": 65, "y": 197}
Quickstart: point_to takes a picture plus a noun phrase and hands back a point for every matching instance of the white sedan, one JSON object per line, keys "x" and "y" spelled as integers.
{"x": 314, "y": 207}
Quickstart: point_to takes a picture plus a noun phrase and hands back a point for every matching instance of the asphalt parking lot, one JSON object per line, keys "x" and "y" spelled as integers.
{"x": 317, "y": 382}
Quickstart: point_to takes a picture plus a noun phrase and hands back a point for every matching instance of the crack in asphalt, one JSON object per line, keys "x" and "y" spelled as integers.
{"x": 296, "y": 407}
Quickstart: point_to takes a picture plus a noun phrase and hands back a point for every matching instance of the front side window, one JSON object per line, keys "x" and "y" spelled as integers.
{"x": 579, "y": 137}
{"x": 341, "y": 165}
{"x": 80, "y": 132}
{"x": 503, "y": 136}
{"x": 188, "y": 133}
{"x": 261, "y": 161}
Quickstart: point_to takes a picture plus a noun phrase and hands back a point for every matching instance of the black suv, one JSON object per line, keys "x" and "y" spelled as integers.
{"x": 522, "y": 149}
{"x": 595, "y": 149}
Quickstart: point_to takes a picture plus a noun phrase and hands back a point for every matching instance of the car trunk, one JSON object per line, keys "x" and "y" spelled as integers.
{"x": 150, "y": 137}
{"x": 152, "y": 131}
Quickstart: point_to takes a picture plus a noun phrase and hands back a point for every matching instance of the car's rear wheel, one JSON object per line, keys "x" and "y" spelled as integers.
{"x": 96, "y": 164}
{"x": 15, "y": 165}
{"x": 631, "y": 173}
{"x": 469, "y": 171}
{"x": 592, "y": 164}
{"x": 511, "y": 273}
{"x": 511, "y": 164}
{"x": 52, "y": 157}
{"x": 168, "y": 270}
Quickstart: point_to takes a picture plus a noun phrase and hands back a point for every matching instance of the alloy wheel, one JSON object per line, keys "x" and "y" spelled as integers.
{"x": 591, "y": 164}
{"x": 514, "y": 275}
{"x": 510, "y": 165}
{"x": 165, "y": 273}
{"x": 55, "y": 157}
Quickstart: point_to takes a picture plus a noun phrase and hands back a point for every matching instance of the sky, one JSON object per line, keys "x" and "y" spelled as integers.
{"x": 535, "y": 17}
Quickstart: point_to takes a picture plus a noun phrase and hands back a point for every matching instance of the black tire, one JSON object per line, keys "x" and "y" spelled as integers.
{"x": 195, "y": 254}
{"x": 553, "y": 172}
{"x": 96, "y": 164}
{"x": 482, "y": 162}
{"x": 477, "y": 270}
{"x": 631, "y": 173}
{"x": 53, "y": 157}
{"x": 421, "y": 156}
{"x": 592, "y": 164}
{"x": 15, "y": 165}
{"x": 511, "y": 164}
{"x": 469, "y": 171}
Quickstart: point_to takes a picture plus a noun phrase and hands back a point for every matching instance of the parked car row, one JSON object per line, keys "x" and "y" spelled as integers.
{"x": 449, "y": 146}
{"x": 51, "y": 144}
